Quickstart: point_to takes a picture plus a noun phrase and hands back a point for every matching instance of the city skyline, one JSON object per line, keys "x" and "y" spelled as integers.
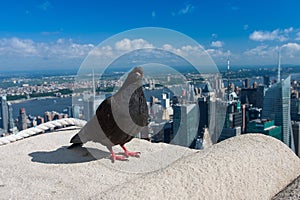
{"x": 59, "y": 35}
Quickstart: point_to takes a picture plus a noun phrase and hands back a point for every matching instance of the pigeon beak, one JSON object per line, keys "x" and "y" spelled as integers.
{"x": 139, "y": 74}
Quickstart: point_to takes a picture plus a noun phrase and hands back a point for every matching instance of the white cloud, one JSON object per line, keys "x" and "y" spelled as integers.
{"x": 167, "y": 47}
{"x": 106, "y": 51}
{"x": 26, "y": 48}
{"x": 12, "y": 46}
{"x": 287, "y": 50}
{"x": 262, "y": 50}
{"x": 186, "y": 48}
{"x": 267, "y": 35}
{"x": 277, "y": 34}
{"x": 189, "y": 8}
{"x": 293, "y": 46}
{"x": 217, "y": 53}
{"x": 265, "y": 54}
{"x": 217, "y": 44}
{"x": 129, "y": 45}
{"x": 288, "y": 30}
{"x": 68, "y": 51}
{"x": 291, "y": 50}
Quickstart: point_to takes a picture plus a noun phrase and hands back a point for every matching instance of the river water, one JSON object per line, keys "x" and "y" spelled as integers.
{"x": 37, "y": 107}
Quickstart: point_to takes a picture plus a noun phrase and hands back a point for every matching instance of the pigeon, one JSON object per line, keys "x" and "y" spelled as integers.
{"x": 119, "y": 118}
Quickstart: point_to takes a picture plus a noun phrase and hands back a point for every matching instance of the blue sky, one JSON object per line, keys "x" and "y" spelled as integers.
{"x": 59, "y": 34}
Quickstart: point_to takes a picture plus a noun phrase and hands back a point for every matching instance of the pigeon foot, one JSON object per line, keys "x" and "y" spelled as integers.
{"x": 114, "y": 157}
{"x": 129, "y": 153}
{"x": 118, "y": 157}
{"x": 133, "y": 154}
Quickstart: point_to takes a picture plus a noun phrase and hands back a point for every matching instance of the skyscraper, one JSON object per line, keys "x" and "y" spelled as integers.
{"x": 11, "y": 123}
{"x": 203, "y": 103}
{"x": 22, "y": 119}
{"x": 295, "y": 109}
{"x": 234, "y": 118}
{"x": 4, "y": 118}
{"x": 296, "y": 134}
{"x": 266, "y": 81}
{"x": 185, "y": 124}
{"x": 276, "y": 106}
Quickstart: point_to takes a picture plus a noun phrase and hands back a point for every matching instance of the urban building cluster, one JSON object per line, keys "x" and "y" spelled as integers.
{"x": 28, "y": 87}
{"x": 9, "y": 125}
{"x": 184, "y": 114}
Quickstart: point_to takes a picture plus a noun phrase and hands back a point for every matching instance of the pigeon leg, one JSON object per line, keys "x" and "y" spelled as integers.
{"x": 116, "y": 157}
{"x": 128, "y": 153}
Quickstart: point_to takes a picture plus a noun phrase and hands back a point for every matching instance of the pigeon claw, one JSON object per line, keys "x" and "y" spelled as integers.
{"x": 133, "y": 154}
{"x": 129, "y": 153}
{"x": 118, "y": 157}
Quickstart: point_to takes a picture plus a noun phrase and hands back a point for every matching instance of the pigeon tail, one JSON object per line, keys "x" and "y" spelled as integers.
{"x": 76, "y": 140}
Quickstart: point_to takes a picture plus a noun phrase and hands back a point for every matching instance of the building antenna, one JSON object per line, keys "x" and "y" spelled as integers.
{"x": 279, "y": 65}
{"x": 94, "y": 90}
{"x": 228, "y": 74}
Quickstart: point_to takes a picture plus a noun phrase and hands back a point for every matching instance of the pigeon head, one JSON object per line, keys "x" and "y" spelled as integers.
{"x": 138, "y": 72}
{"x": 135, "y": 76}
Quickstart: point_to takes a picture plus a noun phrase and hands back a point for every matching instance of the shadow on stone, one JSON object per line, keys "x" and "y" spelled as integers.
{"x": 68, "y": 156}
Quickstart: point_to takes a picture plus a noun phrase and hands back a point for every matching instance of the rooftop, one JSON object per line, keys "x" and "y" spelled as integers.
{"x": 252, "y": 166}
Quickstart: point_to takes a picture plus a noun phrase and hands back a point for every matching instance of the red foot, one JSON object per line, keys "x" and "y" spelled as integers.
{"x": 133, "y": 154}
{"x": 115, "y": 157}
{"x": 129, "y": 153}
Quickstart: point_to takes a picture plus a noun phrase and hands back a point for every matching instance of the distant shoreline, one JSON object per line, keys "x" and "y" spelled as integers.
{"x": 31, "y": 99}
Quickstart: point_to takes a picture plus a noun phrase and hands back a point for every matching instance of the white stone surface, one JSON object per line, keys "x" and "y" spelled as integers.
{"x": 244, "y": 167}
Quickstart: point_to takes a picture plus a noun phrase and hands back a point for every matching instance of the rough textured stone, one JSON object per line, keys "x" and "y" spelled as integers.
{"x": 250, "y": 166}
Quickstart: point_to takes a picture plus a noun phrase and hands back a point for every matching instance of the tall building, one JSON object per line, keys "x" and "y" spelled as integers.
{"x": 266, "y": 80}
{"x": 4, "y": 117}
{"x": 233, "y": 119}
{"x": 203, "y": 103}
{"x": 11, "y": 123}
{"x": 248, "y": 96}
{"x": 296, "y": 134}
{"x": 165, "y": 100}
{"x": 246, "y": 83}
{"x": 76, "y": 111}
{"x": 185, "y": 124}
{"x": 22, "y": 119}
{"x": 260, "y": 93}
{"x": 276, "y": 107}
{"x": 295, "y": 109}
{"x": 47, "y": 116}
{"x": 40, "y": 120}
{"x": 212, "y": 112}
{"x": 253, "y": 96}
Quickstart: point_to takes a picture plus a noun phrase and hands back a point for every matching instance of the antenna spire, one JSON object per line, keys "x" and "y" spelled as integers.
{"x": 94, "y": 89}
{"x": 228, "y": 74}
{"x": 279, "y": 65}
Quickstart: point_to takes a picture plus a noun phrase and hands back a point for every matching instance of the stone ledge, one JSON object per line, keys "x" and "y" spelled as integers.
{"x": 251, "y": 166}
